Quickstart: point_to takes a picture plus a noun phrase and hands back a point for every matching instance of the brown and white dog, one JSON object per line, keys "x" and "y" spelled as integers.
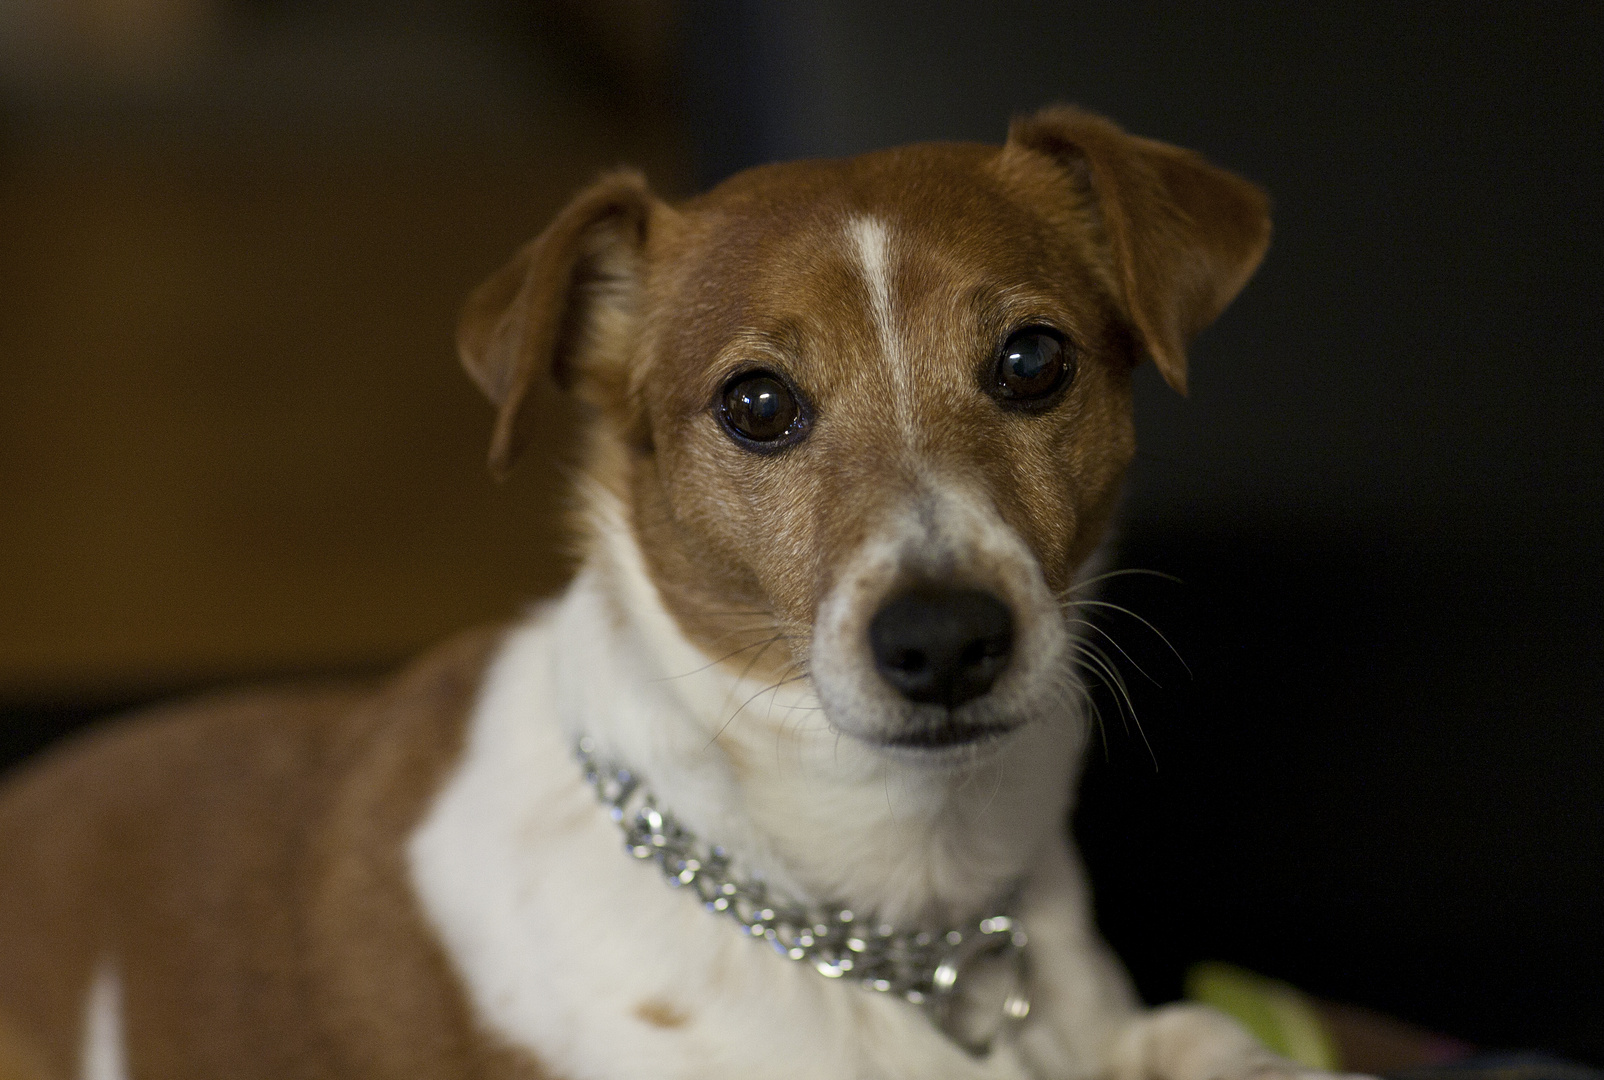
{"x": 858, "y": 428}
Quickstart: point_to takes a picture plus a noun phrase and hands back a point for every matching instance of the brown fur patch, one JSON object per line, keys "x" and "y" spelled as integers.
{"x": 1122, "y": 244}
{"x": 1180, "y": 236}
{"x": 239, "y": 861}
{"x": 19, "y": 1058}
{"x": 661, "y": 1014}
{"x": 725, "y": 530}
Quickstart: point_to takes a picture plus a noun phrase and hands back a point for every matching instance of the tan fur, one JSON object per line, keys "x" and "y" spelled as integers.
{"x": 20, "y": 1058}
{"x": 661, "y": 1014}
{"x": 239, "y": 861}
{"x": 1181, "y": 236}
{"x": 540, "y": 308}
{"x": 1131, "y": 245}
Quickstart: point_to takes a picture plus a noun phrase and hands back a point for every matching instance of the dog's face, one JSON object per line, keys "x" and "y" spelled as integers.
{"x": 871, "y": 416}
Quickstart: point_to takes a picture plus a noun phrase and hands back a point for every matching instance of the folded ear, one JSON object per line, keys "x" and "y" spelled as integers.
{"x": 1181, "y": 236}
{"x": 564, "y": 308}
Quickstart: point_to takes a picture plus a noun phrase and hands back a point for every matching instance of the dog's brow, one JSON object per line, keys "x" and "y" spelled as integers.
{"x": 871, "y": 242}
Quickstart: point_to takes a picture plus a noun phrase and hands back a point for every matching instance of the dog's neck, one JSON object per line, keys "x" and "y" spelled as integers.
{"x": 761, "y": 771}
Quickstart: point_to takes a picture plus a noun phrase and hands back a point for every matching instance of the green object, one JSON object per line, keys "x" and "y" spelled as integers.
{"x": 1280, "y": 1016}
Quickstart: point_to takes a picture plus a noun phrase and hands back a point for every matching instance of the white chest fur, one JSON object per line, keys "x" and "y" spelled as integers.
{"x": 581, "y": 955}
{"x": 570, "y": 949}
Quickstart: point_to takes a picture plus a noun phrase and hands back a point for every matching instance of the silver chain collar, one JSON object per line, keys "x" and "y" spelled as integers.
{"x": 927, "y": 968}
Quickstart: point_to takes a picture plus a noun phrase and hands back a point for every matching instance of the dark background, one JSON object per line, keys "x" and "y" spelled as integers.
{"x": 1379, "y": 773}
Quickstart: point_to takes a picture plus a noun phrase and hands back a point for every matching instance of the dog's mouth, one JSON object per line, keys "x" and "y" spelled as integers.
{"x": 948, "y": 734}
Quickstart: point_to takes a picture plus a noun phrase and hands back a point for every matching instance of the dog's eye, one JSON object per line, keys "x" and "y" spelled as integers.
{"x": 757, "y": 408}
{"x": 1035, "y": 362}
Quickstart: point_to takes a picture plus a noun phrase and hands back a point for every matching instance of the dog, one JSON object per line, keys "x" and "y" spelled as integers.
{"x": 778, "y": 787}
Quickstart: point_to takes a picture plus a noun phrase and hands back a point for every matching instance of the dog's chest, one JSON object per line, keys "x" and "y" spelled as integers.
{"x": 586, "y": 959}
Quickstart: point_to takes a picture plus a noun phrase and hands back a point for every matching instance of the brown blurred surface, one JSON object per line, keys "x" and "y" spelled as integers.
{"x": 1370, "y": 1042}
{"x": 234, "y": 438}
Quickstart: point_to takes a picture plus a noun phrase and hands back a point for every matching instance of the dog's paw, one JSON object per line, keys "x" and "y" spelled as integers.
{"x": 1195, "y": 1042}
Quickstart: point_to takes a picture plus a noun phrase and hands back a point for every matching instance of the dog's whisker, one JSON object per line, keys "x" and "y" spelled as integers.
{"x": 715, "y": 663}
{"x": 797, "y": 669}
{"x": 1079, "y": 692}
{"x": 1109, "y": 678}
{"x": 779, "y": 734}
{"x": 742, "y": 707}
{"x": 1106, "y": 663}
{"x": 1102, "y": 722}
{"x": 1102, "y": 727}
{"x": 1128, "y": 612}
{"x": 787, "y": 679}
{"x": 1089, "y": 624}
{"x": 1091, "y": 653}
{"x": 1089, "y": 582}
{"x": 734, "y": 612}
{"x": 745, "y": 672}
{"x": 739, "y": 623}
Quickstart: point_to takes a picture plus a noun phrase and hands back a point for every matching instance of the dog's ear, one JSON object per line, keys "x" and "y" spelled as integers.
{"x": 563, "y": 309}
{"x": 1180, "y": 236}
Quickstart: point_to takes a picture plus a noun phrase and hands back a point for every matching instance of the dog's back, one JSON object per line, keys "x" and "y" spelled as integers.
{"x": 203, "y": 881}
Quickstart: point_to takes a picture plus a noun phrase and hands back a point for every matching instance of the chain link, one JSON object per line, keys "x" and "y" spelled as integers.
{"x": 920, "y": 966}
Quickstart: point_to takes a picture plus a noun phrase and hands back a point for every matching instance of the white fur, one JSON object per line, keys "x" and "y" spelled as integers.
{"x": 104, "y": 1056}
{"x": 870, "y": 241}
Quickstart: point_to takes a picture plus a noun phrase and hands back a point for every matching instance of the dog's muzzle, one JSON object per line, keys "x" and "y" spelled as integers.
{"x": 943, "y": 646}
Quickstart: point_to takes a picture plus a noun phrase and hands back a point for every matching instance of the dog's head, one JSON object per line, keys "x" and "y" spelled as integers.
{"x": 878, "y": 409}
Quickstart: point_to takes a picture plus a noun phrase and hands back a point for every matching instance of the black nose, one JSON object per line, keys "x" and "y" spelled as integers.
{"x": 942, "y": 646}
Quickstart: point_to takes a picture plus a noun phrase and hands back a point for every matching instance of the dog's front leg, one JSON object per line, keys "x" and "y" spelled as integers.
{"x": 1081, "y": 997}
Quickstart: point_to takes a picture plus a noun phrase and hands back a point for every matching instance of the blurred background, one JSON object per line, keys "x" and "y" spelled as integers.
{"x": 234, "y": 442}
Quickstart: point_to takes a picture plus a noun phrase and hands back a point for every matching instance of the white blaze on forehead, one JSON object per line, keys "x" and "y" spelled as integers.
{"x": 871, "y": 242}
{"x": 104, "y": 1055}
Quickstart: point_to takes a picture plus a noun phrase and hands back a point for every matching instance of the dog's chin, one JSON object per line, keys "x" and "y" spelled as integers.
{"x": 932, "y": 737}
{"x": 948, "y": 742}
